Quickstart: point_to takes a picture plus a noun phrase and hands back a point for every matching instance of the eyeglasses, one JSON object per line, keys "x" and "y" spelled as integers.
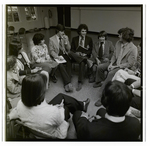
{"x": 83, "y": 31}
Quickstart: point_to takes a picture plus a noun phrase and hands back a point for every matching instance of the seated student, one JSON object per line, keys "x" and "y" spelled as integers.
{"x": 24, "y": 64}
{"x": 78, "y": 56}
{"x": 41, "y": 57}
{"x": 112, "y": 124}
{"x": 123, "y": 57}
{"x": 132, "y": 78}
{"x": 102, "y": 52}
{"x": 59, "y": 46}
{"x": 13, "y": 80}
{"x": 133, "y": 73}
{"x": 35, "y": 112}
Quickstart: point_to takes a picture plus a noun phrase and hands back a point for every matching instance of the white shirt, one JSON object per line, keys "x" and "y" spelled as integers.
{"x": 45, "y": 117}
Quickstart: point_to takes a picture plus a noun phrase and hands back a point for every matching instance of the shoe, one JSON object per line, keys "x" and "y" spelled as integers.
{"x": 79, "y": 87}
{"x": 53, "y": 79}
{"x": 85, "y": 104}
{"x": 98, "y": 103}
{"x": 69, "y": 87}
{"x": 91, "y": 79}
{"x": 97, "y": 84}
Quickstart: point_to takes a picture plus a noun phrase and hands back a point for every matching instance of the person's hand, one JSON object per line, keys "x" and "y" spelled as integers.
{"x": 36, "y": 69}
{"x": 109, "y": 67}
{"x": 65, "y": 38}
{"x": 106, "y": 60}
{"x": 61, "y": 104}
{"x": 98, "y": 61}
{"x": 84, "y": 115}
{"x": 60, "y": 58}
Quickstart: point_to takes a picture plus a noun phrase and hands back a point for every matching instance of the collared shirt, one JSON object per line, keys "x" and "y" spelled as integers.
{"x": 114, "y": 119}
{"x": 83, "y": 41}
{"x": 121, "y": 53}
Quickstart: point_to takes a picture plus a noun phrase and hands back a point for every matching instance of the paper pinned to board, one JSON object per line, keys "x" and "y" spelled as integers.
{"x": 60, "y": 61}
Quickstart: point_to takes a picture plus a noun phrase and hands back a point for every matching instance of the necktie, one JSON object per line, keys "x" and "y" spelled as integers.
{"x": 61, "y": 46}
{"x": 101, "y": 50}
{"x": 81, "y": 41}
{"x": 120, "y": 56}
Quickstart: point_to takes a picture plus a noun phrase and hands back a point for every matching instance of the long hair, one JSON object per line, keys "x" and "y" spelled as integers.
{"x": 33, "y": 89}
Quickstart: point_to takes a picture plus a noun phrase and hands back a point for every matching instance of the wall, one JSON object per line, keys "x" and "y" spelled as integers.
{"x": 110, "y": 19}
{"x": 42, "y": 12}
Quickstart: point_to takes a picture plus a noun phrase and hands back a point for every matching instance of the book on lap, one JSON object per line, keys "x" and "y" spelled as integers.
{"x": 61, "y": 61}
{"x": 82, "y": 49}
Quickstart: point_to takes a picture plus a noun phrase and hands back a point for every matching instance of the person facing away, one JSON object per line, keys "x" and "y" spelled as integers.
{"x": 110, "y": 123}
{"x": 59, "y": 46}
{"x": 41, "y": 57}
{"x": 124, "y": 56}
{"x": 102, "y": 52}
{"x": 35, "y": 112}
{"x": 81, "y": 49}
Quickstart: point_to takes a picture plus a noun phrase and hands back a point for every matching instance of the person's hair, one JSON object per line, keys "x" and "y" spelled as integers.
{"x": 33, "y": 89}
{"x": 60, "y": 27}
{"x": 11, "y": 61}
{"x": 37, "y": 38}
{"x": 120, "y": 30}
{"x": 80, "y": 27}
{"x": 102, "y": 34}
{"x": 116, "y": 98}
{"x": 14, "y": 48}
{"x": 128, "y": 34}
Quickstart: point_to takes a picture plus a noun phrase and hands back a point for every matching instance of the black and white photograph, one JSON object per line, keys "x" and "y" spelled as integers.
{"x": 74, "y": 73}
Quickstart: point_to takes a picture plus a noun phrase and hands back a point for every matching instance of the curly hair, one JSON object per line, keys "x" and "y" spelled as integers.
{"x": 82, "y": 26}
{"x": 37, "y": 38}
{"x": 11, "y": 61}
{"x": 128, "y": 34}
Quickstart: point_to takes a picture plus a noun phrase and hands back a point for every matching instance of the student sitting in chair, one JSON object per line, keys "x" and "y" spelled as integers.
{"x": 35, "y": 112}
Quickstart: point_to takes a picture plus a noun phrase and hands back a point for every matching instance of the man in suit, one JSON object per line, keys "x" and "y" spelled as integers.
{"x": 102, "y": 52}
{"x": 110, "y": 122}
{"x": 124, "y": 56}
{"x": 59, "y": 46}
{"x": 81, "y": 56}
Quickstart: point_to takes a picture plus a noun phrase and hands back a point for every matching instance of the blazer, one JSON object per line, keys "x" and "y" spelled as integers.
{"x": 129, "y": 55}
{"x": 108, "y": 50}
{"x": 54, "y": 46}
{"x": 105, "y": 130}
{"x": 88, "y": 44}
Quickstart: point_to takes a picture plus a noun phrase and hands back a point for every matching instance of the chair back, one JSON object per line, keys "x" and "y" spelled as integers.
{"x": 22, "y": 31}
{"x": 11, "y": 30}
{"x": 19, "y": 130}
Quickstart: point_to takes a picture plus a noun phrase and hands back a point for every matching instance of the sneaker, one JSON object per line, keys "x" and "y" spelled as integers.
{"x": 53, "y": 79}
{"x": 79, "y": 87}
{"x": 69, "y": 87}
{"x": 98, "y": 103}
{"x": 97, "y": 84}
